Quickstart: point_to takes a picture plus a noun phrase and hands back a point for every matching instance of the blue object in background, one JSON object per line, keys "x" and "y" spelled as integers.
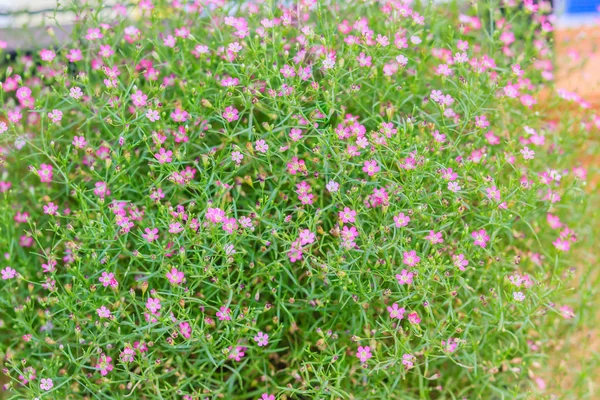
{"x": 582, "y": 6}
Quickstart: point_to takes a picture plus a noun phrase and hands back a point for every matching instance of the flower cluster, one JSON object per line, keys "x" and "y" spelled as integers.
{"x": 223, "y": 199}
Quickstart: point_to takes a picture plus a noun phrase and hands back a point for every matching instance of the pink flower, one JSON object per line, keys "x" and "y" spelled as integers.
{"x": 50, "y": 208}
{"x": 128, "y": 354}
{"x": 567, "y": 312}
{"x": 408, "y": 360}
{"x": 371, "y": 167}
{"x": 527, "y": 153}
{"x": 231, "y": 114}
{"x": 105, "y": 51}
{"x": 296, "y": 166}
{"x": 74, "y": 55}
{"x": 481, "y": 121}
{"x": 46, "y": 384}
{"x": 287, "y": 71}
{"x": 405, "y": 277}
{"x": 364, "y": 353}
{"x": 164, "y": 156}
{"x": 266, "y": 396}
{"x": 47, "y": 55}
{"x": 153, "y": 305}
{"x": 414, "y": 318}
{"x": 151, "y": 234}
{"x": 306, "y": 237}
{"x": 261, "y": 146}
{"x": 434, "y": 237}
{"x": 295, "y": 134}
{"x": 104, "y": 365}
{"x": 76, "y": 92}
{"x": 175, "y": 227}
{"x": 94, "y": 34}
{"x": 175, "y": 277}
{"x": 348, "y": 215}
{"x": 460, "y": 261}
{"x": 481, "y": 237}
{"x": 519, "y": 296}
{"x": 108, "y": 279}
{"x": 553, "y": 221}
{"x": 562, "y": 244}
{"x": 261, "y": 339}
{"x": 79, "y": 142}
{"x": 234, "y": 47}
{"x": 230, "y": 225}
{"x": 179, "y": 115}
{"x": 332, "y": 186}
{"x": 103, "y": 312}
{"x": 295, "y": 252}
{"x": 152, "y": 115}
{"x": 382, "y": 40}
{"x": 450, "y": 345}
{"x": 215, "y": 215}
{"x": 396, "y": 312}
{"x": 45, "y": 173}
{"x": 169, "y": 41}
{"x": 101, "y": 190}
{"x": 237, "y": 157}
{"x": 185, "y": 329}
{"x": 139, "y": 99}
{"x": 55, "y": 115}
{"x": 401, "y": 220}
{"x": 236, "y": 353}
{"x": 157, "y": 194}
{"x": 364, "y": 60}
{"x": 8, "y": 273}
{"x": 493, "y": 193}
{"x": 224, "y": 314}
{"x": 410, "y": 258}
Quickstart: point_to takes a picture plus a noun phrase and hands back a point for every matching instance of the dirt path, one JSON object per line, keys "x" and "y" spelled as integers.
{"x": 573, "y": 367}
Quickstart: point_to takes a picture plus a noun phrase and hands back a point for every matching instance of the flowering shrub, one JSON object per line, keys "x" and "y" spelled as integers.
{"x": 318, "y": 200}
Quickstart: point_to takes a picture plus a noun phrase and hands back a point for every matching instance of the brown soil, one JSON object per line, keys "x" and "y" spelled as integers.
{"x": 573, "y": 367}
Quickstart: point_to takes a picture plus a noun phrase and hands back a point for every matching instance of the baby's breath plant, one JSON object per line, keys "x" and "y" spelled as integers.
{"x": 288, "y": 200}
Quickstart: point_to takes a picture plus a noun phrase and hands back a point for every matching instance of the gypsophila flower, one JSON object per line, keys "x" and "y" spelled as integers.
{"x": 46, "y": 384}
{"x": 414, "y": 318}
{"x": 79, "y": 142}
{"x": 175, "y": 277}
{"x": 296, "y": 199}
{"x": 364, "y": 353}
{"x": 231, "y": 114}
{"x": 333, "y": 186}
{"x": 405, "y": 277}
{"x": 261, "y": 339}
{"x": 410, "y": 258}
{"x": 75, "y": 92}
{"x": 8, "y": 273}
{"x": 152, "y": 115}
{"x": 519, "y": 296}
{"x": 408, "y": 360}
{"x": 103, "y": 312}
{"x": 104, "y": 365}
{"x": 527, "y": 153}
{"x": 395, "y": 311}
{"x": 224, "y": 314}
{"x": 480, "y": 237}
{"x": 55, "y": 115}
{"x": 401, "y": 220}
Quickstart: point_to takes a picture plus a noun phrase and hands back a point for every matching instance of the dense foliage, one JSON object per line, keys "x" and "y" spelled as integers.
{"x": 267, "y": 200}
